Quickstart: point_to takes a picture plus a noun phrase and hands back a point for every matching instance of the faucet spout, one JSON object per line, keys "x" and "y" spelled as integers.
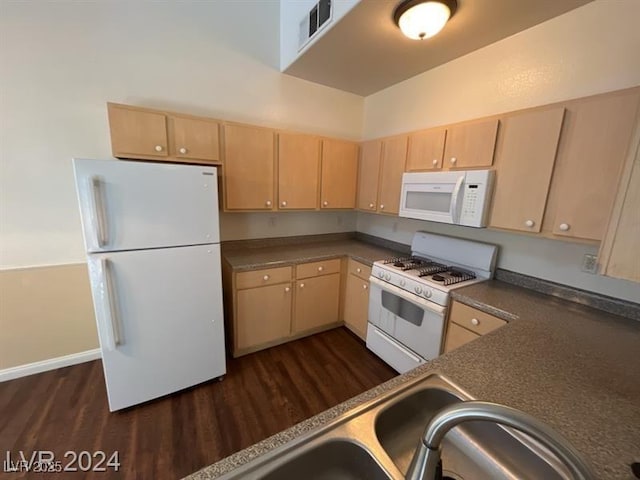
{"x": 425, "y": 460}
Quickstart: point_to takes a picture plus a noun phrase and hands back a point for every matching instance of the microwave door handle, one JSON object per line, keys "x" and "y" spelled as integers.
{"x": 454, "y": 199}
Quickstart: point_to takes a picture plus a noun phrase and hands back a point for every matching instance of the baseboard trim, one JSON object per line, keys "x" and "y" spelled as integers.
{"x": 51, "y": 364}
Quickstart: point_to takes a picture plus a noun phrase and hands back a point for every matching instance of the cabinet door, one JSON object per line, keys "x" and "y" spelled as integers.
{"x": 356, "y": 305}
{"x": 457, "y": 336}
{"x": 426, "y": 149}
{"x": 339, "y": 174}
{"x": 618, "y": 255}
{"x": 317, "y": 302}
{"x": 248, "y": 167}
{"x": 298, "y": 169}
{"x": 524, "y": 163}
{"x": 394, "y": 157}
{"x": 368, "y": 175}
{"x": 195, "y": 139}
{"x": 592, "y": 150}
{"x": 137, "y": 133}
{"x": 471, "y": 144}
{"x": 263, "y": 315}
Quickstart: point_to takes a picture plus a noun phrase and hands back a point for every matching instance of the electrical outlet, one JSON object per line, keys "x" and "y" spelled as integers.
{"x": 589, "y": 263}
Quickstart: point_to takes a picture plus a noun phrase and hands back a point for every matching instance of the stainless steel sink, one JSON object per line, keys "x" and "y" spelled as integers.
{"x": 377, "y": 440}
{"x": 332, "y": 460}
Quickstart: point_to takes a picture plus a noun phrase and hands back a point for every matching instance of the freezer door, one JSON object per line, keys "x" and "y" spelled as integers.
{"x": 160, "y": 322}
{"x": 134, "y": 205}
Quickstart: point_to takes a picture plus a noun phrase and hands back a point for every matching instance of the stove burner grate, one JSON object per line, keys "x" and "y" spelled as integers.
{"x": 453, "y": 275}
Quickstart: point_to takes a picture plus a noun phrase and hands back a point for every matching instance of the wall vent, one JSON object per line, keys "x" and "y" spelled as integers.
{"x": 317, "y": 18}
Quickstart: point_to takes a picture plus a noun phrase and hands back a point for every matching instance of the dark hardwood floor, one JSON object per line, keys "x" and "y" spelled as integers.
{"x": 262, "y": 394}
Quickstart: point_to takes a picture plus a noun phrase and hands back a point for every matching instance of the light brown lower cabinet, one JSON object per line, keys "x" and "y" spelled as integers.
{"x": 466, "y": 324}
{"x": 263, "y": 315}
{"x": 317, "y": 303}
{"x": 356, "y": 305}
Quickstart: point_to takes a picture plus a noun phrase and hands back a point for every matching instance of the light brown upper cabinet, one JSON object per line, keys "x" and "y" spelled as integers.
{"x": 195, "y": 139}
{"x": 142, "y": 133}
{"x": 368, "y": 175}
{"x": 526, "y": 153}
{"x": 619, "y": 256}
{"x": 298, "y": 171}
{"x": 595, "y": 138}
{"x": 137, "y": 133}
{"x": 248, "y": 167}
{"x": 426, "y": 149}
{"x": 394, "y": 156}
{"x": 471, "y": 144}
{"x": 339, "y": 174}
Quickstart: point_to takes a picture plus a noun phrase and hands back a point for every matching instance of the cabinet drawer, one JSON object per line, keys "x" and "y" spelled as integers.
{"x": 314, "y": 269}
{"x": 259, "y": 278}
{"x": 473, "y": 319}
{"x": 359, "y": 269}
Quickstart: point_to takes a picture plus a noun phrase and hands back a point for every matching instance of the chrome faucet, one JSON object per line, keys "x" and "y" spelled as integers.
{"x": 425, "y": 461}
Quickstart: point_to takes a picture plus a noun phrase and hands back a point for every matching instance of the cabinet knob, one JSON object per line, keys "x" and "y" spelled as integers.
{"x": 435, "y": 162}
{"x": 364, "y": 286}
{"x": 268, "y": 203}
{"x": 183, "y": 150}
{"x": 475, "y": 321}
{"x": 529, "y": 223}
{"x": 302, "y": 285}
{"x": 454, "y": 160}
{"x": 564, "y": 227}
{"x": 325, "y": 203}
{"x": 283, "y": 203}
{"x": 159, "y": 148}
{"x": 320, "y": 269}
{"x": 287, "y": 289}
{"x": 265, "y": 278}
{"x": 372, "y": 205}
{"x": 359, "y": 270}
{"x": 381, "y": 207}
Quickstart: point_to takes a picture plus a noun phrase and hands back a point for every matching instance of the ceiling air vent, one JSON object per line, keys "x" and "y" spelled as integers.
{"x": 312, "y": 22}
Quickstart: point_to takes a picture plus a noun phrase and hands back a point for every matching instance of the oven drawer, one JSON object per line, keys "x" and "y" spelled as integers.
{"x": 395, "y": 354}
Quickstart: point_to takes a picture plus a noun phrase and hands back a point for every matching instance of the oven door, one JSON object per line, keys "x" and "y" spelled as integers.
{"x": 413, "y": 321}
{"x": 432, "y": 196}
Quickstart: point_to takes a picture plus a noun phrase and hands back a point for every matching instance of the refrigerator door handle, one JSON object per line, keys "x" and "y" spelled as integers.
{"x": 110, "y": 323}
{"x": 98, "y": 219}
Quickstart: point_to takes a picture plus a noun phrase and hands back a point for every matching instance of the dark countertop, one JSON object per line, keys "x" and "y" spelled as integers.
{"x": 572, "y": 366}
{"x": 281, "y": 255}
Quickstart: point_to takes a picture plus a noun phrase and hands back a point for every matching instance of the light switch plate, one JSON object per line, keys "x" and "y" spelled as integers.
{"x": 589, "y": 263}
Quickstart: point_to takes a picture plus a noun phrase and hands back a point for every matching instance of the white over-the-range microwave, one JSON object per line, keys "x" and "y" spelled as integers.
{"x": 458, "y": 197}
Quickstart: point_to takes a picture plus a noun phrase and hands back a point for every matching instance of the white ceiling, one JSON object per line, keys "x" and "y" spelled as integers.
{"x": 365, "y": 51}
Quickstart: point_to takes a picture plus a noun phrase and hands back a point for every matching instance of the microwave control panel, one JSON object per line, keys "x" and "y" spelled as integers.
{"x": 475, "y": 199}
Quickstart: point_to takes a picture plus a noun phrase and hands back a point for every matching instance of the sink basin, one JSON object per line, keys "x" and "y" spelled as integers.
{"x": 332, "y": 460}
{"x": 475, "y": 450}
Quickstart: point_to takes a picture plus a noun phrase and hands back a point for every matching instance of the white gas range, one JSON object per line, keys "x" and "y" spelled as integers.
{"x": 409, "y": 296}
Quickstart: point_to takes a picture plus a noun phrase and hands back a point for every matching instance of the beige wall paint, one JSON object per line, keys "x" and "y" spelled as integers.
{"x": 45, "y": 313}
{"x": 590, "y": 50}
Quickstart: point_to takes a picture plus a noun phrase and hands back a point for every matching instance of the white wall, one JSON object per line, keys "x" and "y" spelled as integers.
{"x": 62, "y": 61}
{"x": 553, "y": 260}
{"x": 588, "y": 50}
{"x": 284, "y": 224}
{"x": 291, "y": 13}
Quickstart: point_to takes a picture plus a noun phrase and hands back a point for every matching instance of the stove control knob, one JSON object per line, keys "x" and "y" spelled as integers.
{"x": 387, "y": 277}
{"x": 427, "y": 293}
{"x": 418, "y": 290}
{"x": 381, "y": 274}
{"x": 402, "y": 283}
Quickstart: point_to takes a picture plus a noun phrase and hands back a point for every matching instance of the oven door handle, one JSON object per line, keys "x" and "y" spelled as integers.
{"x": 410, "y": 297}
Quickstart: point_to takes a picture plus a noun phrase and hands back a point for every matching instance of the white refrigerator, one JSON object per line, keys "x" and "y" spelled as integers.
{"x": 152, "y": 240}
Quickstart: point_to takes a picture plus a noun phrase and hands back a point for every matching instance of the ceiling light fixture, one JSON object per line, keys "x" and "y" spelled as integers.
{"x": 420, "y": 19}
